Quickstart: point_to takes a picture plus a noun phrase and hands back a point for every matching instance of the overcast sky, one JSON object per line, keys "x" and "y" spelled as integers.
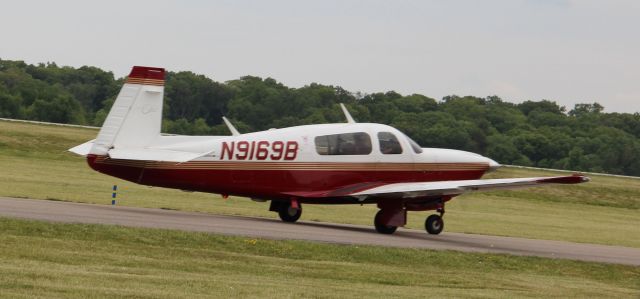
{"x": 568, "y": 51}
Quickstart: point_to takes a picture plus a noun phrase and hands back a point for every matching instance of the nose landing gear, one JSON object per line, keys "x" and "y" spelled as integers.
{"x": 434, "y": 224}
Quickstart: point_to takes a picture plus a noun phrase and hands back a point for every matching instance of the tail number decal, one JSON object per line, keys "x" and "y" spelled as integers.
{"x": 259, "y": 150}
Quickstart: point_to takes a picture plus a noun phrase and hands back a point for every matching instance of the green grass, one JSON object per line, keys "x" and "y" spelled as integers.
{"x": 46, "y": 260}
{"x": 601, "y": 191}
{"x": 35, "y": 164}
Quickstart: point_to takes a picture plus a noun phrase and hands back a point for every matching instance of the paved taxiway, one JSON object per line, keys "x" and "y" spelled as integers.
{"x": 312, "y": 231}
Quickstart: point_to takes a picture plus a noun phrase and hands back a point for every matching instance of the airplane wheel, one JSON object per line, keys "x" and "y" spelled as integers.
{"x": 434, "y": 224}
{"x": 289, "y": 214}
{"x": 381, "y": 228}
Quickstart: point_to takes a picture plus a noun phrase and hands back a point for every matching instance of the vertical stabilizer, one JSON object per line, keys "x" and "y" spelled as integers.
{"x": 134, "y": 120}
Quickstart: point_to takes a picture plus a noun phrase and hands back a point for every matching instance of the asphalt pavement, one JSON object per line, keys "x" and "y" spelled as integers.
{"x": 267, "y": 228}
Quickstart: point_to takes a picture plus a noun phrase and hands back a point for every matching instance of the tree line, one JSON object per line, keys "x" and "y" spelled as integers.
{"x": 532, "y": 133}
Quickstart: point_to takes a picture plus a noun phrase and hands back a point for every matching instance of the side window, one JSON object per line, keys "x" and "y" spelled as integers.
{"x": 344, "y": 144}
{"x": 389, "y": 144}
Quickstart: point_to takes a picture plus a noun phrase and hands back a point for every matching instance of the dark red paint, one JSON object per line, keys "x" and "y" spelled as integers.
{"x": 146, "y": 72}
{"x": 317, "y": 186}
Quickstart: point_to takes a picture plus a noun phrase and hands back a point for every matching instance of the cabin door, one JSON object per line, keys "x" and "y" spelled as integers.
{"x": 394, "y": 160}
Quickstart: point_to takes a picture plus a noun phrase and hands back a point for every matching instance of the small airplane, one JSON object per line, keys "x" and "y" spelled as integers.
{"x": 340, "y": 163}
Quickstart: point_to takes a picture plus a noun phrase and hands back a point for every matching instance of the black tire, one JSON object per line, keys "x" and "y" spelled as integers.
{"x": 289, "y": 214}
{"x": 381, "y": 228}
{"x": 434, "y": 224}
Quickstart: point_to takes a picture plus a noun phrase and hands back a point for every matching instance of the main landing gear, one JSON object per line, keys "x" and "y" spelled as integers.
{"x": 288, "y": 211}
{"x": 381, "y": 226}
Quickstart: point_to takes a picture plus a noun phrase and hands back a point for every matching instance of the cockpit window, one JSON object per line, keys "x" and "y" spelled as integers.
{"x": 344, "y": 144}
{"x": 389, "y": 144}
{"x": 414, "y": 145}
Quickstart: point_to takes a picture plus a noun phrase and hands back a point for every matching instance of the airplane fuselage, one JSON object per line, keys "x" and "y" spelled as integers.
{"x": 313, "y": 163}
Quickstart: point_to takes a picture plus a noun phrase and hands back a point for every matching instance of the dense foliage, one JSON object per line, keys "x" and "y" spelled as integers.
{"x": 532, "y": 133}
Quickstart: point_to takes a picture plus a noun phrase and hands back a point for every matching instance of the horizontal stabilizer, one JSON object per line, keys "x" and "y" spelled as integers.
{"x": 154, "y": 155}
{"x": 82, "y": 149}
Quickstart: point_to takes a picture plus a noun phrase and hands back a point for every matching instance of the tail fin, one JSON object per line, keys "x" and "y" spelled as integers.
{"x": 135, "y": 117}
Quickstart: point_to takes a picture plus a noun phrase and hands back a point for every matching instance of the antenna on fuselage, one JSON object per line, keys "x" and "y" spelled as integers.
{"x": 233, "y": 130}
{"x": 346, "y": 114}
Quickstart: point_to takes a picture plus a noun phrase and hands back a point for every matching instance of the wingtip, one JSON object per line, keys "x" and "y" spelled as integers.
{"x": 572, "y": 179}
{"x": 583, "y": 178}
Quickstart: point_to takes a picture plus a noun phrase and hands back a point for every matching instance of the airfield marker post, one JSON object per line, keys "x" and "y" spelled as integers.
{"x": 113, "y": 195}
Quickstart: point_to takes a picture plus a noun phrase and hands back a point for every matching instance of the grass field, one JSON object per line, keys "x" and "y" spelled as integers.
{"x": 46, "y": 260}
{"x": 35, "y": 164}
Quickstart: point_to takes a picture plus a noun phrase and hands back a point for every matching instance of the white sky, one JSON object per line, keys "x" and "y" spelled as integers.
{"x": 564, "y": 50}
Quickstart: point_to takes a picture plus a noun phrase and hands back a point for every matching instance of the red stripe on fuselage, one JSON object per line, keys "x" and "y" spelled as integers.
{"x": 269, "y": 183}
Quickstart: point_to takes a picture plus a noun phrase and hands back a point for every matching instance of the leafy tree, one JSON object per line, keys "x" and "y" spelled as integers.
{"x": 416, "y": 103}
{"x": 545, "y": 106}
{"x": 582, "y": 109}
{"x": 62, "y": 109}
{"x": 501, "y": 148}
{"x": 10, "y": 106}
{"x": 537, "y": 133}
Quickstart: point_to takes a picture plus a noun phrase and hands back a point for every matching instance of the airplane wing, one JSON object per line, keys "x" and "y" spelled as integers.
{"x": 421, "y": 189}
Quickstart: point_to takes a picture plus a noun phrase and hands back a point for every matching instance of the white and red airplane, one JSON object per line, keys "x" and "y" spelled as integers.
{"x": 342, "y": 163}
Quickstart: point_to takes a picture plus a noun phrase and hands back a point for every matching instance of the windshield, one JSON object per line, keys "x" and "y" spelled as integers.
{"x": 414, "y": 145}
